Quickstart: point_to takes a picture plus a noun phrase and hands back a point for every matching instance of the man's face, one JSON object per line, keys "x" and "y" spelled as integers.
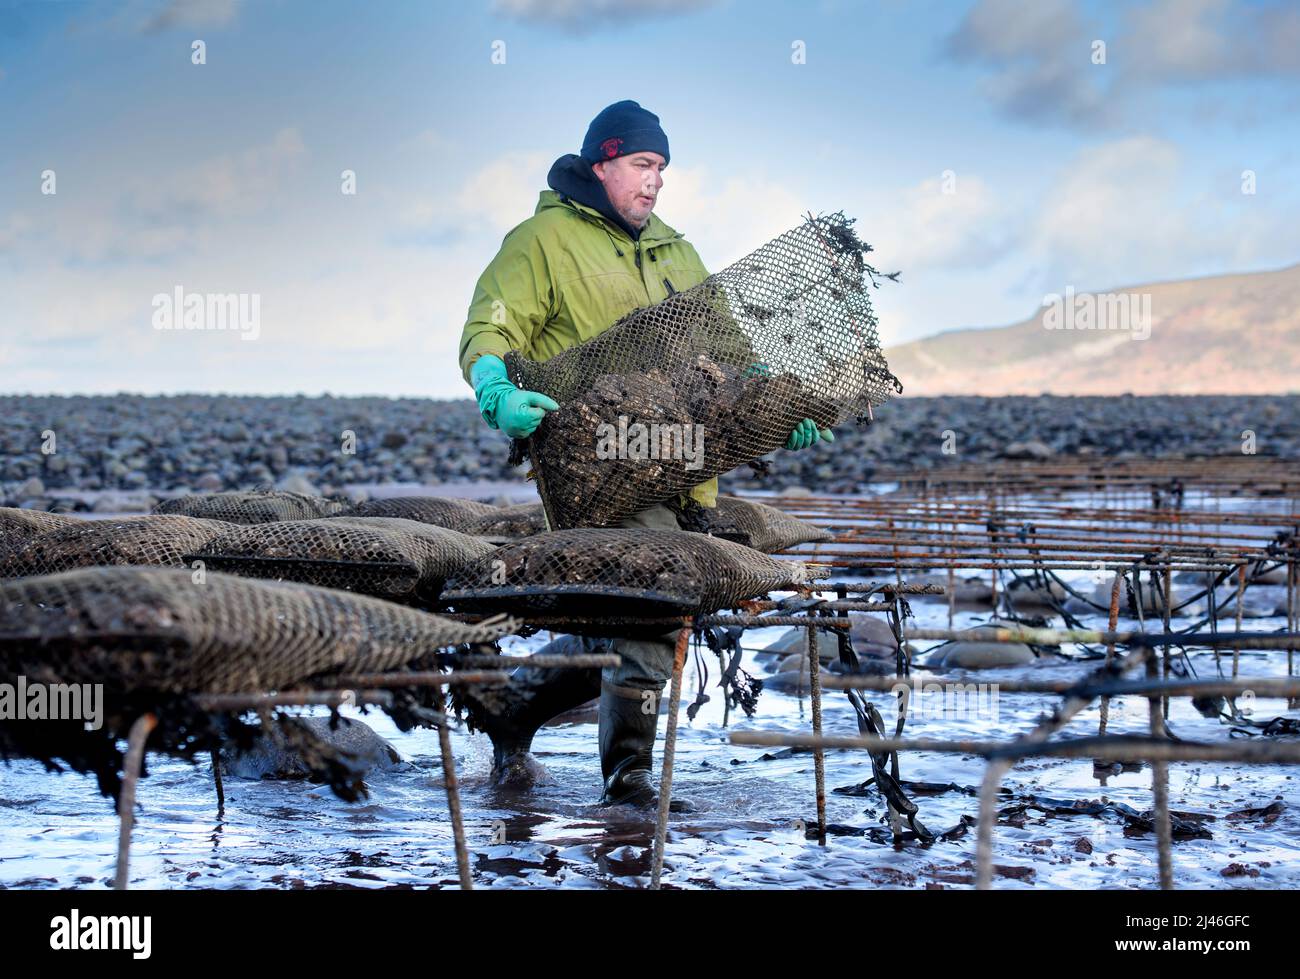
{"x": 632, "y": 183}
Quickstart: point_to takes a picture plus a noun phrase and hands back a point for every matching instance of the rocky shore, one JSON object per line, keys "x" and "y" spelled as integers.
{"x": 59, "y": 452}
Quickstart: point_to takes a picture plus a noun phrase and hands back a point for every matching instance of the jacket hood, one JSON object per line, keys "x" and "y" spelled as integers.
{"x": 571, "y": 176}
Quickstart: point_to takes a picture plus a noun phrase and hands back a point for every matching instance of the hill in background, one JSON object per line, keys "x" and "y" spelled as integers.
{"x": 1229, "y": 334}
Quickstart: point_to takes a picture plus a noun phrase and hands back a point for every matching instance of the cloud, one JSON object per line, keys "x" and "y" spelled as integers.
{"x": 1112, "y": 208}
{"x": 583, "y": 16}
{"x": 158, "y": 215}
{"x": 1005, "y": 30}
{"x": 1136, "y": 210}
{"x": 13, "y": 229}
{"x": 929, "y": 229}
{"x": 243, "y": 182}
{"x": 495, "y": 197}
{"x": 1199, "y": 40}
{"x": 1037, "y": 57}
{"x": 726, "y": 219}
{"x": 190, "y": 13}
{"x": 503, "y": 192}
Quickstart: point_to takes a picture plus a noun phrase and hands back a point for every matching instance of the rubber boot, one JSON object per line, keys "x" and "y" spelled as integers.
{"x": 628, "y": 719}
{"x": 533, "y": 697}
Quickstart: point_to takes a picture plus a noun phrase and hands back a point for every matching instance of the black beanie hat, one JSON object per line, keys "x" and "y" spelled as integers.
{"x": 623, "y": 128}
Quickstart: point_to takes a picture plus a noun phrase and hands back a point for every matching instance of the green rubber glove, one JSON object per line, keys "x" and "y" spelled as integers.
{"x": 504, "y": 406}
{"x": 807, "y": 433}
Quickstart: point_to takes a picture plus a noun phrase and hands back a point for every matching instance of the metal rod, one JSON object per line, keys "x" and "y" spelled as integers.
{"x": 1241, "y": 586}
{"x": 424, "y": 679}
{"x": 1090, "y": 687}
{"x": 1160, "y": 788}
{"x": 1111, "y": 621}
{"x": 819, "y": 755}
{"x": 670, "y": 750}
{"x": 1136, "y": 637}
{"x": 540, "y": 661}
{"x": 1115, "y": 748}
{"x": 140, "y": 730}
{"x": 216, "y": 778}
{"x": 452, "y": 786}
{"x": 998, "y": 769}
{"x": 215, "y": 702}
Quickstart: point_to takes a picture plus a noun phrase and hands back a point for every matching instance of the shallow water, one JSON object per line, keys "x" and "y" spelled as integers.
{"x": 56, "y": 830}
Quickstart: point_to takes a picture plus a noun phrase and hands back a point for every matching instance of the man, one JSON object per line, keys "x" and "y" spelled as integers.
{"x": 593, "y": 251}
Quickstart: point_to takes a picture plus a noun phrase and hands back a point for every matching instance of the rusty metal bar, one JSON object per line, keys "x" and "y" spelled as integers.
{"x": 670, "y": 752}
{"x": 451, "y": 785}
{"x": 819, "y": 756}
{"x": 291, "y": 698}
{"x": 1261, "y": 687}
{"x": 140, "y": 730}
{"x": 1115, "y": 748}
{"x": 998, "y": 769}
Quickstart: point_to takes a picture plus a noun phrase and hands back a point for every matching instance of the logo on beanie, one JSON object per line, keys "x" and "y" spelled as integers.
{"x": 610, "y": 147}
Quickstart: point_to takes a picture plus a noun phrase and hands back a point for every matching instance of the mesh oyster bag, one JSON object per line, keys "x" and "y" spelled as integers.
{"x": 441, "y": 511}
{"x": 762, "y": 527}
{"x": 153, "y": 637}
{"x": 401, "y": 560}
{"x": 134, "y": 628}
{"x": 251, "y": 506}
{"x": 150, "y": 539}
{"x": 18, "y": 526}
{"x": 522, "y": 520}
{"x": 17, "y": 522}
{"x": 620, "y": 573}
{"x": 708, "y": 379}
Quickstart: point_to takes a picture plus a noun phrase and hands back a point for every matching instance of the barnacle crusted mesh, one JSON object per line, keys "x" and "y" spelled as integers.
{"x": 384, "y": 556}
{"x": 251, "y": 506}
{"x": 153, "y": 637}
{"x": 618, "y": 573}
{"x": 31, "y": 523}
{"x": 785, "y": 333}
{"x": 18, "y": 526}
{"x": 151, "y": 539}
{"x": 437, "y": 510}
{"x": 523, "y": 520}
{"x": 158, "y": 629}
{"x": 762, "y": 527}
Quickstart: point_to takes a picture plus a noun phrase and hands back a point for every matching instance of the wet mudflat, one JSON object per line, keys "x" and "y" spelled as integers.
{"x": 57, "y": 832}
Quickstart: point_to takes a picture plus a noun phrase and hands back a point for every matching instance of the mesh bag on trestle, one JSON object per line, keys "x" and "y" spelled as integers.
{"x": 154, "y": 637}
{"x": 440, "y": 511}
{"x": 523, "y": 520}
{"x": 760, "y": 526}
{"x": 16, "y": 522}
{"x": 18, "y": 526}
{"x": 252, "y": 506}
{"x": 401, "y": 560}
{"x": 618, "y": 573}
{"x": 154, "y": 539}
{"x": 708, "y": 379}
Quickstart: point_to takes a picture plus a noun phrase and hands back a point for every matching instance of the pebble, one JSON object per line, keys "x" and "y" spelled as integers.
{"x": 796, "y": 682}
{"x": 209, "y": 443}
{"x": 970, "y": 654}
{"x": 267, "y": 759}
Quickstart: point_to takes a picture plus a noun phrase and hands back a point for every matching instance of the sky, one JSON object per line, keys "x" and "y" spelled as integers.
{"x": 992, "y": 151}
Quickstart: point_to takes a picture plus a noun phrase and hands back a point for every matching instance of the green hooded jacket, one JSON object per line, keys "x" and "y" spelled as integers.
{"x": 566, "y": 275}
